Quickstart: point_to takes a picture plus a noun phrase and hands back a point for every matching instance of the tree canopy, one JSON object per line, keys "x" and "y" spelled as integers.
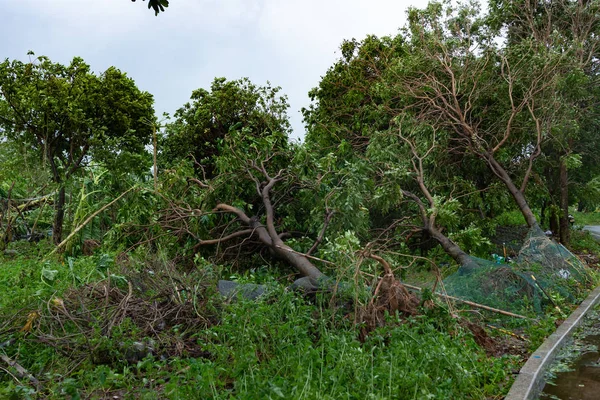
{"x": 228, "y": 106}
{"x": 72, "y": 117}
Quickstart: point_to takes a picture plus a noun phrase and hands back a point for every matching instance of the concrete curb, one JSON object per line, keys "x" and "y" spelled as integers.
{"x": 530, "y": 381}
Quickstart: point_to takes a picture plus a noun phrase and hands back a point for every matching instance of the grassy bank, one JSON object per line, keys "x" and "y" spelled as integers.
{"x": 56, "y": 327}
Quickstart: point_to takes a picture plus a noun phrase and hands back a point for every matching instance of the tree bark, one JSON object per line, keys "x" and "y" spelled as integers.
{"x": 515, "y": 192}
{"x": 271, "y": 239}
{"x": 554, "y": 221}
{"x": 543, "y": 213}
{"x": 298, "y": 261}
{"x": 57, "y": 229}
{"x": 564, "y": 204}
{"x": 452, "y": 249}
{"x": 285, "y": 252}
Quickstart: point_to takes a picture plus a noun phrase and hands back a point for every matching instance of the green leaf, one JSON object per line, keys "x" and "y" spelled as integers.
{"x": 49, "y": 274}
{"x": 572, "y": 161}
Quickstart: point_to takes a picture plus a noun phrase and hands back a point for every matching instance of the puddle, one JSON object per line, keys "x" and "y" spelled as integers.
{"x": 583, "y": 382}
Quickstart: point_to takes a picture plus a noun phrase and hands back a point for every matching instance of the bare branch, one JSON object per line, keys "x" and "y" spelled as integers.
{"x": 245, "y": 232}
{"x": 328, "y": 216}
{"x": 233, "y": 210}
{"x": 199, "y": 183}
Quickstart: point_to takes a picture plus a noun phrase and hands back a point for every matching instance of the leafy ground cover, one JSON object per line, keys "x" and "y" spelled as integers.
{"x": 587, "y": 218}
{"x": 105, "y": 327}
{"x": 91, "y": 328}
{"x": 138, "y": 326}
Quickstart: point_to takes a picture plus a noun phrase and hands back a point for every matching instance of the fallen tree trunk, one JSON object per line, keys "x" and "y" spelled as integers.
{"x": 272, "y": 241}
{"x": 267, "y": 232}
{"x": 428, "y": 218}
{"x": 451, "y": 248}
{"x": 517, "y": 194}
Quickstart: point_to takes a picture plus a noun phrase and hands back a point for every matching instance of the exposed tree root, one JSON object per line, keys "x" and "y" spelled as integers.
{"x": 390, "y": 296}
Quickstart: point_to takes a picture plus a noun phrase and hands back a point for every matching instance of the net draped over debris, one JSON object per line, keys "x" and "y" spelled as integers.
{"x": 544, "y": 272}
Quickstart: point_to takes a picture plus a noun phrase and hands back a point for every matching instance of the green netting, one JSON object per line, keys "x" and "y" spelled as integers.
{"x": 544, "y": 272}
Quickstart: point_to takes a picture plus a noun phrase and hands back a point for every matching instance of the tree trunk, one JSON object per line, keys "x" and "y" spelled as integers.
{"x": 553, "y": 220}
{"x": 515, "y": 192}
{"x": 297, "y": 260}
{"x": 452, "y": 249}
{"x": 543, "y": 213}
{"x": 564, "y": 204}
{"x": 285, "y": 252}
{"x": 57, "y": 229}
{"x": 269, "y": 237}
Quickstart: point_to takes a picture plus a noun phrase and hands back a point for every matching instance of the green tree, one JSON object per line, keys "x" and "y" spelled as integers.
{"x": 228, "y": 106}
{"x": 570, "y": 28}
{"x": 498, "y": 102}
{"x": 70, "y": 116}
{"x": 352, "y": 101}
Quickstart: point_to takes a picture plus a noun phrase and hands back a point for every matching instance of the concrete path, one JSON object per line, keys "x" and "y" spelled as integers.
{"x": 594, "y": 230}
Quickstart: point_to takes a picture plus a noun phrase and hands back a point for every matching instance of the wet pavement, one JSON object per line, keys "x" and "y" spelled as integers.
{"x": 583, "y": 383}
{"x": 595, "y": 232}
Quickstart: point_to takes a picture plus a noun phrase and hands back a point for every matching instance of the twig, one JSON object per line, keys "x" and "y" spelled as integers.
{"x": 328, "y": 215}
{"x": 245, "y": 232}
{"x": 507, "y": 332}
{"x": 21, "y": 372}
{"x": 386, "y": 266}
{"x": 546, "y": 294}
{"x": 199, "y": 183}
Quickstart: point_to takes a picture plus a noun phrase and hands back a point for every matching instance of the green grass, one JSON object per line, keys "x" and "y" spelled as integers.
{"x": 281, "y": 350}
{"x": 582, "y": 241}
{"x": 586, "y": 218}
{"x": 279, "y": 347}
{"x": 510, "y": 218}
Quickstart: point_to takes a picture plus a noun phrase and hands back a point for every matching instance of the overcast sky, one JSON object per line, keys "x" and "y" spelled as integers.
{"x": 290, "y": 43}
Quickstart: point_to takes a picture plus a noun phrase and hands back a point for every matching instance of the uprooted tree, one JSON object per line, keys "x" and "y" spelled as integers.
{"x": 359, "y": 112}
{"x": 411, "y": 148}
{"x": 507, "y": 104}
{"x": 253, "y": 180}
{"x": 498, "y": 103}
{"x": 501, "y": 103}
{"x": 263, "y": 225}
